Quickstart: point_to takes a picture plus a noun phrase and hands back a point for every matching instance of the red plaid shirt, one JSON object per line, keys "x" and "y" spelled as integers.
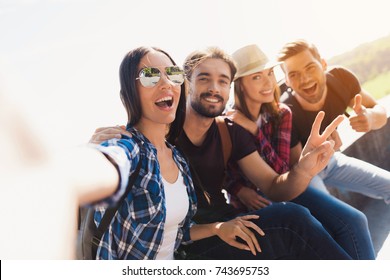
{"x": 273, "y": 146}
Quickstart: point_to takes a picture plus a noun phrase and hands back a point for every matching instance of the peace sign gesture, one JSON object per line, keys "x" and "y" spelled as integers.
{"x": 315, "y": 138}
{"x": 317, "y": 151}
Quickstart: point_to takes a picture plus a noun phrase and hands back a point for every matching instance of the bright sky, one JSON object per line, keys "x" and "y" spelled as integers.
{"x": 61, "y": 58}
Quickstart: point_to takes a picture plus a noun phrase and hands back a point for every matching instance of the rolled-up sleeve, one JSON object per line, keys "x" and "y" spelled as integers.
{"x": 122, "y": 154}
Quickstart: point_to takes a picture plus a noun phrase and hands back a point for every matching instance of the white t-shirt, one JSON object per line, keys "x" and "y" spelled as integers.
{"x": 176, "y": 204}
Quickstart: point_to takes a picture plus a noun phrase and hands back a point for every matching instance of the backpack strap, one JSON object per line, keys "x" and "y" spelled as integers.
{"x": 110, "y": 212}
{"x": 225, "y": 139}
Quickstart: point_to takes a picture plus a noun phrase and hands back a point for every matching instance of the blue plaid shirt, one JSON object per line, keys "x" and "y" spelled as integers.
{"x": 137, "y": 228}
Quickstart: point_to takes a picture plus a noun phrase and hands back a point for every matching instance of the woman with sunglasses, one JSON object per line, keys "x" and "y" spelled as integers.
{"x": 155, "y": 217}
{"x": 149, "y": 222}
{"x": 257, "y": 109}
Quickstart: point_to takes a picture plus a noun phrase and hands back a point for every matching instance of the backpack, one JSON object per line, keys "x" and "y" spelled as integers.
{"x": 90, "y": 235}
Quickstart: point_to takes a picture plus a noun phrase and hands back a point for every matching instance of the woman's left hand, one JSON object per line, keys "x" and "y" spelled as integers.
{"x": 240, "y": 227}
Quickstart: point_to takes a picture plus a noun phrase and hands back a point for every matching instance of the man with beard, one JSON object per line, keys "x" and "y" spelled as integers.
{"x": 210, "y": 73}
{"x": 314, "y": 88}
{"x": 291, "y": 232}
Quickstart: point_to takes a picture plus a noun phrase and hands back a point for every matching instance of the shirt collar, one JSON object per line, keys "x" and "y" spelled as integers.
{"x": 142, "y": 137}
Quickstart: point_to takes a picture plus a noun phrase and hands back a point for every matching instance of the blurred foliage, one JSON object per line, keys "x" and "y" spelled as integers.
{"x": 371, "y": 64}
{"x": 379, "y": 86}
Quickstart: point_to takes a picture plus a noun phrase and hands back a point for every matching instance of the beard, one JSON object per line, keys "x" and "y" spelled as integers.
{"x": 209, "y": 111}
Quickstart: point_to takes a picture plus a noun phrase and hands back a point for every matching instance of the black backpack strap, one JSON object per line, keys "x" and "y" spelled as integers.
{"x": 110, "y": 212}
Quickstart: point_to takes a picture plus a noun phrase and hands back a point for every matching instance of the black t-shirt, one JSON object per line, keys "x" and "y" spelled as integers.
{"x": 342, "y": 87}
{"x": 207, "y": 159}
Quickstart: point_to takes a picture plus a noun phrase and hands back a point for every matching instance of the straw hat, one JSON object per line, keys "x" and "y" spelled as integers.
{"x": 251, "y": 59}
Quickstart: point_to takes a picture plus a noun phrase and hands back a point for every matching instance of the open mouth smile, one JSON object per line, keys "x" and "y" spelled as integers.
{"x": 310, "y": 90}
{"x": 165, "y": 102}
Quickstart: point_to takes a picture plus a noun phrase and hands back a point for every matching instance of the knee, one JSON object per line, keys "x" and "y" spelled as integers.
{"x": 288, "y": 217}
{"x": 291, "y": 211}
{"x": 358, "y": 218}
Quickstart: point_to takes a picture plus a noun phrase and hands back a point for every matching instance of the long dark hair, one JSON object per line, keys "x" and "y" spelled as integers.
{"x": 128, "y": 73}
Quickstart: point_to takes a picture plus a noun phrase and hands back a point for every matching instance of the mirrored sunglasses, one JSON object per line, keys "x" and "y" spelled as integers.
{"x": 150, "y": 76}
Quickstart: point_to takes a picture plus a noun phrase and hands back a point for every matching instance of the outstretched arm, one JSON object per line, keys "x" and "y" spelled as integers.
{"x": 314, "y": 158}
{"x": 90, "y": 173}
{"x": 83, "y": 172}
{"x": 50, "y": 185}
{"x": 275, "y": 153}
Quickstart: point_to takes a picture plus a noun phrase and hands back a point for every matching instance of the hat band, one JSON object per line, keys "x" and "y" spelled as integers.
{"x": 252, "y": 65}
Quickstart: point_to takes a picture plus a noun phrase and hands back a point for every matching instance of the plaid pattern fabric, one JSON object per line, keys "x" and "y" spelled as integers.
{"x": 137, "y": 228}
{"x": 272, "y": 145}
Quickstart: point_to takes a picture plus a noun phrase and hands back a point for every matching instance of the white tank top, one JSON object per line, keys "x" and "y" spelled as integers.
{"x": 176, "y": 205}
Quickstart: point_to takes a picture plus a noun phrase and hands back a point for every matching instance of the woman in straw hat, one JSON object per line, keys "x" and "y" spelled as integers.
{"x": 257, "y": 109}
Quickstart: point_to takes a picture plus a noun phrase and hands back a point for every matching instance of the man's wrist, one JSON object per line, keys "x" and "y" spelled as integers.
{"x": 301, "y": 172}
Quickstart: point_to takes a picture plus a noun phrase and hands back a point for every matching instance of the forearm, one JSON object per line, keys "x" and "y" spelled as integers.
{"x": 276, "y": 187}
{"x": 201, "y": 231}
{"x": 289, "y": 185}
{"x": 314, "y": 158}
{"x": 234, "y": 180}
{"x": 93, "y": 176}
{"x": 378, "y": 116}
{"x": 295, "y": 154}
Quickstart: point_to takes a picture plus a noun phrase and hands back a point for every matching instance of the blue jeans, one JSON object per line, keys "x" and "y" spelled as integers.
{"x": 347, "y": 225}
{"x": 351, "y": 174}
{"x": 291, "y": 232}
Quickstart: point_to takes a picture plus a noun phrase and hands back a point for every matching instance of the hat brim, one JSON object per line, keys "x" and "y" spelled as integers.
{"x": 268, "y": 65}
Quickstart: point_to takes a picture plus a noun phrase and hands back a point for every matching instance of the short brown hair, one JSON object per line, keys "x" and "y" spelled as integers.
{"x": 197, "y": 57}
{"x": 295, "y": 47}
